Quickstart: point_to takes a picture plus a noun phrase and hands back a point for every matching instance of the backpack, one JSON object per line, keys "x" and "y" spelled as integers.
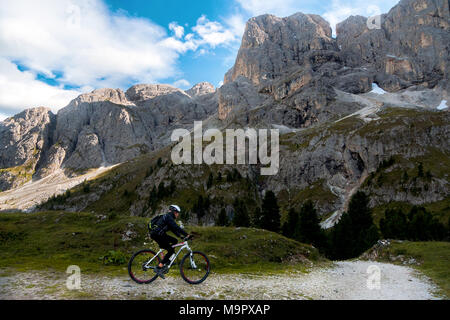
{"x": 154, "y": 223}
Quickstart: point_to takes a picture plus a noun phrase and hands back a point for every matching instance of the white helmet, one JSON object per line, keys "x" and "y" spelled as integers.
{"x": 174, "y": 207}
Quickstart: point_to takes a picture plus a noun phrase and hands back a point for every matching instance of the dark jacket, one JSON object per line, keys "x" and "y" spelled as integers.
{"x": 167, "y": 223}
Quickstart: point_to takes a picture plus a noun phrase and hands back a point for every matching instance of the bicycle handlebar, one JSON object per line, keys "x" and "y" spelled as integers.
{"x": 188, "y": 237}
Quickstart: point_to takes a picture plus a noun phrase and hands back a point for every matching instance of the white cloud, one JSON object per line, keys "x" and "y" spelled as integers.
{"x": 213, "y": 33}
{"x": 206, "y": 34}
{"x": 20, "y": 90}
{"x": 182, "y": 84}
{"x": 178, "y": 30}
{"x": 279, "y": 8}
{"x": 89, "y": 45}
{"x": 236, "y": 24}
{"x": 84, "y": 41}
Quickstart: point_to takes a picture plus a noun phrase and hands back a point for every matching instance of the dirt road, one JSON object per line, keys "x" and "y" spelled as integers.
{"x": 344, "y": 280}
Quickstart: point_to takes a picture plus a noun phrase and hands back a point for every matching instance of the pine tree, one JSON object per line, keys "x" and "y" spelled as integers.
{"x": 161, "y": 191}
{"x": 405, "y": 176}
{"x": 222, "y": 219}
{"x": 172, "y": 187}
{"x": 291, "y": 223}
{"x": 308, "y": 229}
{"x": 199, "y": 208}
{"x": 270, "y": 215}
{"x": 355, "y": 232}
{"x": 422, "y": 226}
{"x": 236, "y": 175}
{"x": 210, "y": 181}
{"x": 256, "y": 218}
{"x": 394, "y": 225}
{"x": 420, "y": 170}
{"x": 240, "y": 218}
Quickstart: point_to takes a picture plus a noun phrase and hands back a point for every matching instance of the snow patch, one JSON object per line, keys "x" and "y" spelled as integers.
{"x": 376, "y": 89}
{"x": 443, "y": 105}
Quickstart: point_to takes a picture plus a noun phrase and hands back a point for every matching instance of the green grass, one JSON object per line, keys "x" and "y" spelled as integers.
{"x": 55, "y": 240}
{"x": 433, "y": 258}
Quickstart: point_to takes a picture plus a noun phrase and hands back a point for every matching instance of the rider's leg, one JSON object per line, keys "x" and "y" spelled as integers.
{"x": 166, "y": 242}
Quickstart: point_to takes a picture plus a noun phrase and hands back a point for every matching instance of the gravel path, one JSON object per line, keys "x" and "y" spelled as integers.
{"x": 345, "y": 280}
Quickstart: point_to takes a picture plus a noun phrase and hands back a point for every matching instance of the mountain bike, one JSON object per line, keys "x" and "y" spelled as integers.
{"x": 194, "y": 266}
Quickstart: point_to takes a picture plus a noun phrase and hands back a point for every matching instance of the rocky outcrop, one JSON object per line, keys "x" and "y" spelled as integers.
{"x": 107, "y": 132}
{"x": 24, "y": 140}
{"x": 273, "y": 46}
{"x": 104, "y": 127}
{"x": 142, "y": 92}
{"x": 296, "y": 62}
{"x": 410, "y": 47}
{"x": 113, "y": 95}
{"x": 24, "y": 135}
{"x": 201, "y": 89}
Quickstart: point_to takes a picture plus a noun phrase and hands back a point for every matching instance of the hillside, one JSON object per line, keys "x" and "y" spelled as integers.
{"x": 103, "y": 244}
{"x": 374, "y": 156}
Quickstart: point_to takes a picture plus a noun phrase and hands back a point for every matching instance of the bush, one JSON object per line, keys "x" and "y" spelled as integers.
{"x": 115, "y": 258}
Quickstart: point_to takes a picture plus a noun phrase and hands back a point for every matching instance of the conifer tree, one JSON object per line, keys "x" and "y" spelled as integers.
{"x": 222, "y": 219}
{"x": 355, "y": 232}
{"x": 270, "y": 215}
{"x": 291, "y": 223}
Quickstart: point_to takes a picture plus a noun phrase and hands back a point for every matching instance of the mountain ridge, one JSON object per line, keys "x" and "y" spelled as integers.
{"x": 290, "y": 74}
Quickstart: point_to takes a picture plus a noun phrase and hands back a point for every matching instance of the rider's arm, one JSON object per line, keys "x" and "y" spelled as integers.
{"x": 175, "y": 228}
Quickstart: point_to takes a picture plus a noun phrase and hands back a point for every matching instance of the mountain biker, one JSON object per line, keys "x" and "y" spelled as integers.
{"x": 164, "y": 224}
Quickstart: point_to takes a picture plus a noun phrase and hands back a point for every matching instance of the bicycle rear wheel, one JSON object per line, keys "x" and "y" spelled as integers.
{"x": 194, "y": 267}
{"x": 140, "y": 270}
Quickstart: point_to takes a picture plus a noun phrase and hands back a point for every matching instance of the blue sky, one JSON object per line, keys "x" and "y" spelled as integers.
{"x": 53, "y": 50}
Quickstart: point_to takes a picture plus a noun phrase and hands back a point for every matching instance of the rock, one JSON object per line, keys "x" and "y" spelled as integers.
{"x": 105, "y": 94}
{"x": 143, "y": 92}
{"x": 239, "y": 95}
{"x": 411, "y": 46}
{"x": 201, "y": 89}
{"x": 24, "y": 140}
{"x": 272, "y": 46}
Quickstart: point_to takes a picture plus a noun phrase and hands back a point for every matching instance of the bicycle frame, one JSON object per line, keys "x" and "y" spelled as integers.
{"x": 183, "y": 245}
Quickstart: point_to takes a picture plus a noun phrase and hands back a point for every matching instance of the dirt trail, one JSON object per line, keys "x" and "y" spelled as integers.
{"x": 344, "y": 280}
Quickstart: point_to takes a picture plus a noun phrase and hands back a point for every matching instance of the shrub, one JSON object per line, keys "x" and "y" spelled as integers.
{"x": 115, "y": 258}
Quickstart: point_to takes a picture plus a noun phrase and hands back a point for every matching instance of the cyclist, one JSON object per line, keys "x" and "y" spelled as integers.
{"x": 164, "y": 224}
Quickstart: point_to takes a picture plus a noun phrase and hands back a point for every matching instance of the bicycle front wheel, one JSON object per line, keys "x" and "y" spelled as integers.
{"x": 140, "y": 268}
{"x": 194, "y": 267}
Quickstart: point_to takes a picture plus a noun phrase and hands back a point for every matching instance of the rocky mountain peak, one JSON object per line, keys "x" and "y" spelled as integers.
{"x": 411, "y": 45}
{"x": 200, "y": 89}
{"x": 143, "y": 92}
{"x": 105, "y": 94}
{"x": 271, "y": 46}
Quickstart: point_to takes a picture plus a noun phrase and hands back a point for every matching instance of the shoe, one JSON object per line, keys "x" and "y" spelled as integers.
{"x": 160, "y": 271}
